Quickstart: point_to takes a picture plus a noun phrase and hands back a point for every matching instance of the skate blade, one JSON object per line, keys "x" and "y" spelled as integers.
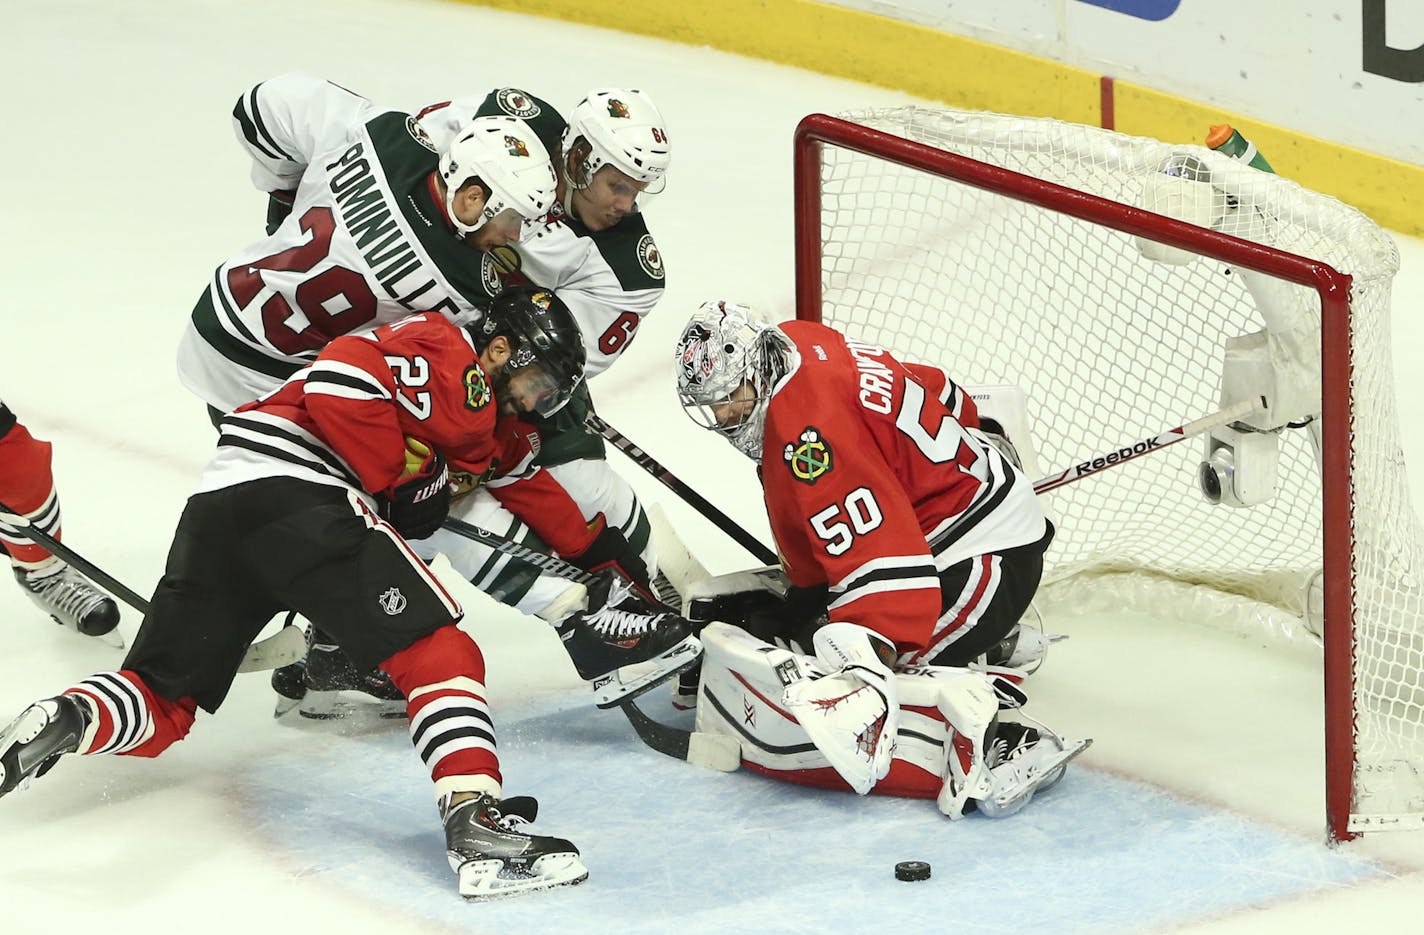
{"x": 483, "y": 880}
{"x": 113, "y": 638}
{"x": 630, "y": 681}
{"x": 1050, "y": 772}
{"x": 333, "y": 705}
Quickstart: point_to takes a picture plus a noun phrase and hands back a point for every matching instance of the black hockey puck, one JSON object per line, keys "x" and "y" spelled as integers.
{"x": 911, "y": 870}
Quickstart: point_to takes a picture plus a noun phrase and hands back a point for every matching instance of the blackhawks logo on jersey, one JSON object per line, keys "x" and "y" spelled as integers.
{"x": 477, "y": 389}
{"x": 810, "y": 457}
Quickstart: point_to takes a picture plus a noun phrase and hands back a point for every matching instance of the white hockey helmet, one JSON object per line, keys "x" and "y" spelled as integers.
{"x": 724, "y": 347}
{"x": 506, "y": 155}
{"x": 624, "y": 129}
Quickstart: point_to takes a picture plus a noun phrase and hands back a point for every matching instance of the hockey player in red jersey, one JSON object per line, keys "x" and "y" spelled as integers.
{"x": 27, "y": 488}
{"x": 594, "y": 248}
{"x": 305, "y": 505}
{"x": 317, "y": 147}
{"x": 907, "y": 538}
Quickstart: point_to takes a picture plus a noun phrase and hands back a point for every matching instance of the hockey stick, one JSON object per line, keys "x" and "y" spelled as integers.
{"x": 670, "y": 741}
{"x": 646, "y": 461}
{"x": 1157, "y": 442}
{"x": 550, "y": 563}
{"x": 282, "y": 648}
{"x": 28, "y": 529}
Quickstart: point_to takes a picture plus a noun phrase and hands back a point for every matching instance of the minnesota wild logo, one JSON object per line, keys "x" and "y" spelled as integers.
{"x": 514, "y": 101}
{"x": 617, "y": 108}
{"x": 810, "y": 457}
{"x": 477, "y": 390}
{"x": 515, "y": 146}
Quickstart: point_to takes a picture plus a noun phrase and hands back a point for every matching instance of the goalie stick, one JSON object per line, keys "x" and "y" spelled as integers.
{"x": 1157, "y": 442}
{"x": 670, "y": 741}
{"x": 282, "y": 648}
{"x": 670, "y": 480}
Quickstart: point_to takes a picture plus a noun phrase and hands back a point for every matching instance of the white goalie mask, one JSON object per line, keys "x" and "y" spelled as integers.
{"x": 504, "y": 154}
{"x": 624, "y": 129}
{"x": 729, "y": 358}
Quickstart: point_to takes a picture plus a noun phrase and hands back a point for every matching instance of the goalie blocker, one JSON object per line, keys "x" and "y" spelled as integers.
{"x": 948, "y": 741}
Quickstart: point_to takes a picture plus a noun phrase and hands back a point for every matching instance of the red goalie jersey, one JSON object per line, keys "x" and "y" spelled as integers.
{"x": 343, "y": 420}
{"x": 874, "y": 486}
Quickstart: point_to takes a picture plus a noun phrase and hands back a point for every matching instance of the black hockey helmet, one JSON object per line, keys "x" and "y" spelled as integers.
{"x": 548, "y": 354}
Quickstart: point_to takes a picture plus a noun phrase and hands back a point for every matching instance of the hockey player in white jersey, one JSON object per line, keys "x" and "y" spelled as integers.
{"x": 363, "y": 228}
{"x": 383, "y": 223}
{"x": 594, "y": 249}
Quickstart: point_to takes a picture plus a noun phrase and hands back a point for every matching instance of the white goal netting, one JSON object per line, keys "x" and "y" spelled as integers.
{"x": 1112, "y": 345}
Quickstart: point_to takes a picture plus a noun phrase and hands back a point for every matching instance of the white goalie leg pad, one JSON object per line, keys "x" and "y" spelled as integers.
{"x": 853, "y": 713}
{"x": 969, "y": 703}
{"x": 739, "y": 696}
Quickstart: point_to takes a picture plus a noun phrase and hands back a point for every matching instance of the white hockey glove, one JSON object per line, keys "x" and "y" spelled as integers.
{"x": 852, "y": 714}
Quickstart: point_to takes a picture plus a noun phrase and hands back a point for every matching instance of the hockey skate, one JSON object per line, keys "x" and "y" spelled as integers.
{"x": 1024, "y": 761}
{"x": 35, "y": 740}
{"x": 623, "y": 645}
{"x": 494, "y": 858}
{"x": 71, "y": 600}
{"x": 1025, "y": 647}
{"x": 334, "y": 688}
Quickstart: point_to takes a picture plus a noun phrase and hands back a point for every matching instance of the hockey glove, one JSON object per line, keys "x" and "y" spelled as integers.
{"x": 418, "y": 503}
{"x": 610, "y": 551}
{"x": 279, "y": 205}
{"x": 852, "y": 713}
{"x": 793, "y": 624}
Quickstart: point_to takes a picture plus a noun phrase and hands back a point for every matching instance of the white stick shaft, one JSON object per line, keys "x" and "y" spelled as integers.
{"x": 1128, "y": 452}
{"x": 283, "y": 648}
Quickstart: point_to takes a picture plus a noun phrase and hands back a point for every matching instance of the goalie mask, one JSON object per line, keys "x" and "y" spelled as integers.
{"x": 623, "y": 129}
{"x": 729, "y": 359}
{"x": 546, "y": 350}
{"x": 505, "y": 156}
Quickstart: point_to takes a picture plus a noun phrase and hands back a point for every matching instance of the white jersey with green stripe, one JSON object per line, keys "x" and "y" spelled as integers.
{"x": 610, "y": 279}
{"x": 365, "y": 244}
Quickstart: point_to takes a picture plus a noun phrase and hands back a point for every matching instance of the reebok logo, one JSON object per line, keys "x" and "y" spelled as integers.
{"x": 1122, "y": 454}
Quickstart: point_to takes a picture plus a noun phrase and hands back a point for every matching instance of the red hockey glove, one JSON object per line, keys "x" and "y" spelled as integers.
{"x": 610, "y": 551}
{"x": 418, "y": 503}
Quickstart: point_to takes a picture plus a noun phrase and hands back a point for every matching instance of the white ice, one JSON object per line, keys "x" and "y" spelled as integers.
{"x": 1199, "y": 809}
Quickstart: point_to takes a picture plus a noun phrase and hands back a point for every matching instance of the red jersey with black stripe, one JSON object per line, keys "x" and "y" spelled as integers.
{"x": 874, "y": 484}
{"x": 343, "y": 420}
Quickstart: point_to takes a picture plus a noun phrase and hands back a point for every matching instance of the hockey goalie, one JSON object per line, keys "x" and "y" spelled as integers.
{"x": 911, "y": 546}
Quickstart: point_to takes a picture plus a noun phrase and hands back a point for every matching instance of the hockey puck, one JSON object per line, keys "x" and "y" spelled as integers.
{"x": 911, "y": 870}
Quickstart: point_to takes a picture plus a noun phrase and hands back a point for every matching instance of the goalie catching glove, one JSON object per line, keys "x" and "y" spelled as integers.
{"x": 419, "y": 501}
{"x": 852, "y": 714}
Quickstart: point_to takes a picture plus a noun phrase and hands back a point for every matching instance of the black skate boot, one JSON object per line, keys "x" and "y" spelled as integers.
{"x": 335, "y": 689}
{"x": 494, "y": 858}
{"x": 623, "y": 645}
{"x": 70, "y": 599}
{"x": 34, "y": 741}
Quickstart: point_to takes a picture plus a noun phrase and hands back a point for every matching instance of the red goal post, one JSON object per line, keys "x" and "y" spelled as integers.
{"x": 882, "y": 203}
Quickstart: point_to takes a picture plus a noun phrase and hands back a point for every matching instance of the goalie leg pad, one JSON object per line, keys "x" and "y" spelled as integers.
{"x": 969, "y": 704}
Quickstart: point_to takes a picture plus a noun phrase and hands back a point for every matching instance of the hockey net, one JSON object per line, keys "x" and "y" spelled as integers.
{"x": 1016, "y": 250}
